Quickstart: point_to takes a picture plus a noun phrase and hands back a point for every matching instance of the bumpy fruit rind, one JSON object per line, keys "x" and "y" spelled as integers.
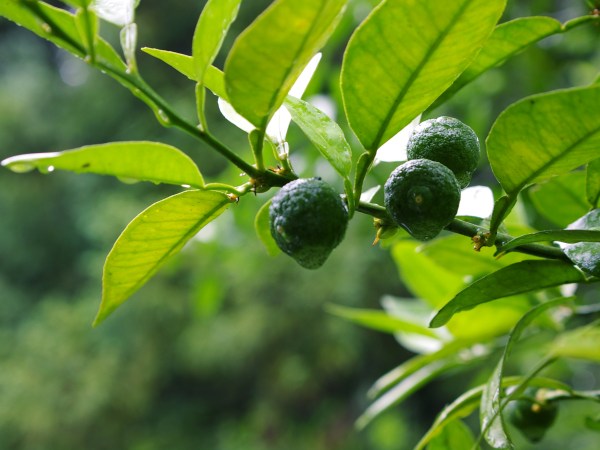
{"x": 448, "y": 141}
{"x": 530, "y": 416}
{"x": 308, "y": 219}
{"x": 422, "y": 196}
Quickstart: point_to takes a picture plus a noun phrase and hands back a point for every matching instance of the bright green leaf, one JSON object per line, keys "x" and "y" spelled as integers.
{"x": 518, "y": 278}
{"x": 507, "y": 40}
{"x": 552, "y": 235}
{"x": 566, "y": 191}
{"x": 262, "y": 225}
{"x": 43, "y": 19}
{"x": 454, "y": 436}
{"x": 581, "y": 343}
{"x": 544, "y": 135}
{"x": 379, "y": 320}
{"x": 211, "y": 29}
{"x": 592, "y": 187}
{"x": 490, "y": 417}
{"x": 151, "y": 239}
{"x": 404, "y": 55}
{"x": 138, "y": 160}
{"x": 271, "y": 53}
{"x": 586, "y": 255}
{"x": 324, "y": 133}
{"x": 184, "y": 64}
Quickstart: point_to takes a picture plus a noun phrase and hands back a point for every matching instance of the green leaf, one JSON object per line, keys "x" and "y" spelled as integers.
{"x": 324, "y": 133}
{"x": 404, "y": 55}
{"x": 211, "y": 29}
{"x": 151, "y": 239}
{"x": 518, "y": 278}
{"x": 262, "y": 225}
{"x": 490, "y": 417}
{"x": 507, "y": 40}
{"x": 544, "y": 135}
{"x": 592, "y": 187}
{"x": 567, "y": 191}
{"x": 378, "y": 320}
{"x": 551, "y": 235}
{"x": 138, "y": 160}
{"x": 59, "y": 27}
{"x": 585, "y": 255}
{"x": 271, "y": 53}
{"x": 184, "y": 64}
{"x": 581, "y": 343}
{"x": 454, "y": 436}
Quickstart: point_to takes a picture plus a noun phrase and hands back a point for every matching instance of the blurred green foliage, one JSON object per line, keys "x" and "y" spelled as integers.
{"x": 227, "y": 348}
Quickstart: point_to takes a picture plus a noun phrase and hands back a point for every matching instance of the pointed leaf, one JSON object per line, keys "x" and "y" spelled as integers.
{"x": 262, "y": 225}
{"x": 507, "y": 40}
{"x": 184, "y": 64}
{"x": 569, "y": 236}
{"x": 490, "y": 417}
{"x": 211, "y": 29}
{"x": 270, "y": 54}
{"x": 324, "y": 133}
{"x": 518, "y": 278}
{"x": 404, "y": 55}
{"x": 543, "y": 136}
{"x": 378, "y": 320}
{"x": 566, "y": 190}
{"x": 138, "y": 160}
{"x": 593, "y": 183}
{"x": 151, "y": 239}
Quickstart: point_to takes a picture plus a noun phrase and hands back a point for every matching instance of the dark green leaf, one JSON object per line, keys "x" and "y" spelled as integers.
{"x": 211, "y": 29}
{"x": 184, "y": 64}
{"x": 543, "y": 136}
{"x": 379, "y": 320}
{"x": 507, "y": 40}
{"x": 454, "y": 436}
{"x": 524, "y": 276}
{"x": 151, "y": 239}
{"x": 592, "y": 188}
{"x": 552, "y": 235}
{"x": 404, "y": 55}
{"x": 323, "y": 132}
{"x": 490, "y": 417}
{"x": 271, "y": 53}
{"x": 262, "y": 225}
{"x": 566, "y": 191}
{"x": 143, "y": 161}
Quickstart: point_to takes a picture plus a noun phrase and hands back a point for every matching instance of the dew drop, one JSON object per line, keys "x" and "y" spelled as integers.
{"x": 47, "y": 28}
{"x": 21, "y": 167}
{"x": 162, "y": 117}
{"x": 128, "y": 180}
{"x": 186, "y": 186}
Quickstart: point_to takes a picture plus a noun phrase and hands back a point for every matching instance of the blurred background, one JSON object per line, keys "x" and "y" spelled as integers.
{"x": 226, "y": 348}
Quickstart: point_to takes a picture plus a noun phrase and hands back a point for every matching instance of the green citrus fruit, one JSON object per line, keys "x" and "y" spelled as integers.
{"x": 308, "y": 220}
{"x": 422, "y": 196}
{"x": 449, "y": 141}
{"x": 531, "y": 416}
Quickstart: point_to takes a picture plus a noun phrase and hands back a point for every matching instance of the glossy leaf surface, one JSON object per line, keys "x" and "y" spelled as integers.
{"x": 151, "y": 239}
{"x": 324, "y": 133}
{"x": 271, "y": 53}
{"x": 569, "y": 236}
{"x": 507, "y": 40}
{"x": 143, "y": 161}
{"x": 543, "y": 136}
{"x": 592, "y": 187}
{"x": 586, "y": 255}
{"x": 525, "y": 276}
{"x": 404, "y": 55}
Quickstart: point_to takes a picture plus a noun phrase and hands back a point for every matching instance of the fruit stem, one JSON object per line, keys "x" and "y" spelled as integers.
{"x": 470, "y": 230}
